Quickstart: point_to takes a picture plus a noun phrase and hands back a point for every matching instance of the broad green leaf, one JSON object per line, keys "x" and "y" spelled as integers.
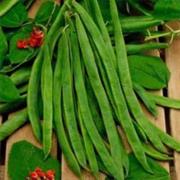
{"x": 138, "y": 173}
{"x": 15, "y": 17}
{"x": 148, "y": 71}
{"x": 3, "y": 46}
{"x": 45, "y": 12}
{"x": 25, "y": 157}
{"x": 8, "y": 91}
{"x": 17, "y": 55}
{"x": 167, "y": 9}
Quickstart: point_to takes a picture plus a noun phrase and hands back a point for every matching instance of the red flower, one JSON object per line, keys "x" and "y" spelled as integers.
{"x": 40, "y": 173}
{"x": 37, "y": 34}
{"x": 34, "y": 41}
{"x": 50, "y": 174}
{"x": 22, "y": 44}
{"x": 34, "y": 176}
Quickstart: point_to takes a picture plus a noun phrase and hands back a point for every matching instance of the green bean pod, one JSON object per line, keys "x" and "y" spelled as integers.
{"x": 140, "y": 48}
{"x": 165, "y": 101}
{"x": 167, "y": 139}
{"x": 95, "y": 111}
{"x": 21, "y": 76}
{"x": 140, "y": 132}
{"x": 139, "y": 23}
{"x": 150, "y": 151}
{"x": 58, "y": 21}
{"x": 125, "y": 160}
{"x": 57, "y": 106}
{"x": 14, "y": 105}
{"x": 147, "y": 100}
{"x": 15, "y": 121}
{"x": 124, "y": 76}
{"x": 32, "y": 96}
{"x": 23, "y": 89}
{"x": 91, "y": 156}
{"x": 123, "y": 113}
{"x": 86, "y": 112}
{"x": 47, "y": 96}
{"x": 98, "y": 89}
{"x": 68, "y": 105}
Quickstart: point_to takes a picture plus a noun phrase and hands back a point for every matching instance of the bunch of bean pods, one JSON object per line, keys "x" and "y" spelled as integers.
{"x": 80, "y": 86}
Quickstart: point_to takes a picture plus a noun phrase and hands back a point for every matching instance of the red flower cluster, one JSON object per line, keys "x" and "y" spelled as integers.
{"x": 35, "y": 40}
{"x": 38, "y": 174}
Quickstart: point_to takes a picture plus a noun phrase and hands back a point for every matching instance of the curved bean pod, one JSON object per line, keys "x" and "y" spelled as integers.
{"x": 15, "y": 121}
{"x": 32, "y": 96}
{"x": 68, "y": 105}
{"x": 46, "y": 90}
{"x": 58, "y": 121}
{"x": 86, "y": 113}
{"x": 124, "y": 76}
{"x": 123, "y": 113}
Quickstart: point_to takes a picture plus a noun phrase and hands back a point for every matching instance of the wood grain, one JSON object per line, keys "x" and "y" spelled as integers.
{"x": 173, "y": 61}
{"x": 160, "y": 121}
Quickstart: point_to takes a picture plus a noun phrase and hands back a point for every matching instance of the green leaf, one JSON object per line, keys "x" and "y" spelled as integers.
{"x": 3, "y": 46}
{"x": 25, "y": 157}
{"x": 148, "y": 71}
{"x": 17, "y": 55}
{"x": 167, "y": 9}
{"x": 138, "y": 173}
{"x": 8, "y": 91}
{"x": 45, "y": 11}
{"x": 15, "y": 17}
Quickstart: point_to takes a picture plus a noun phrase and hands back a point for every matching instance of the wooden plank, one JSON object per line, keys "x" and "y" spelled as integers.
{"x": 173, "y": 61}
{"x": 160, "y": 121}
{"x": 25, "y": 133}
{"x": 34, "y": 8}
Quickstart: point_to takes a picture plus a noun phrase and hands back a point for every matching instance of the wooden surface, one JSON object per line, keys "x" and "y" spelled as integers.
{"x": 172, "y": 57}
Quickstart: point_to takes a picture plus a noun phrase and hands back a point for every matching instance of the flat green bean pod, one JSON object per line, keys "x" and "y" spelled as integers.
{"x": 47, "y": 96}
{"x": 146, "y": 99}
{"x": 124, "y": 76}
{"x": 21, "y": 76}
{"x": 87, "y": 116}
{"x": 165, "y": 101}
{"x": 15, "y": 121}
{"x": 57, "y": 106}
{"x": 68, "y": 107}
{"x": 32, "y": 96}
{"x": 150, "y": 151}
{"x": 14, "y": 105}
{"x": 125, "y": 119}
